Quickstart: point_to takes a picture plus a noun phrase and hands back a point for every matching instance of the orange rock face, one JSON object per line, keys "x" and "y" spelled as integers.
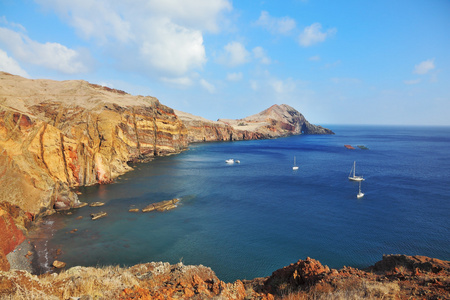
{"x": 59, "y": 135}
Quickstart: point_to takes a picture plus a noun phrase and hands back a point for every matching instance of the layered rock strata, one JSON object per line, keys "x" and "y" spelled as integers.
{"x": 276, "y": 121}
{"x": 55, "y": 136}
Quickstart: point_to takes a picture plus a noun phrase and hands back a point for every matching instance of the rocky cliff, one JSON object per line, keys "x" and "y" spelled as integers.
{"x": 59, "y": 135}
{"x": 395, "y": 277}
{"x": 55, "y": 136}
{"x": 276, "y": 121}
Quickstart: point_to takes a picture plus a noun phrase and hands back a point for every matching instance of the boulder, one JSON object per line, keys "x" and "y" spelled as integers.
{"x": 58, "y": 264}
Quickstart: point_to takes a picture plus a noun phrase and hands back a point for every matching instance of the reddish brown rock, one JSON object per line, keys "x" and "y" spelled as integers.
{"x": 411, "y": 264}
{"x": 302, "y": 273}
{"x": 306, "y": 279}
{"x": 10, "y": 235}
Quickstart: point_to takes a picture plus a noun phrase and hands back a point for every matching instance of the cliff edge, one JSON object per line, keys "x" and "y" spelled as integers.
{"x": 395, "y": 277}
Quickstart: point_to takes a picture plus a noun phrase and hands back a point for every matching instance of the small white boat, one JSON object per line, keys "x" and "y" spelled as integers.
{"x": 237, "y": 161}
{"x": 230, "y": 161}
{"x": 353, "y": 176}
{"x": 360, "y": 194}
{"x": 295, "y": 167}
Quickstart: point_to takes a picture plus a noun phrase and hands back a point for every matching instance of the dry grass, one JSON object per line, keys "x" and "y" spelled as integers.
{"x": 99, "y": 283}
{"x": 352, "y": 290}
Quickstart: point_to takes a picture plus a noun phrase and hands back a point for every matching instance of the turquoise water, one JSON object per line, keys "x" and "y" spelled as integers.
{"x": 247, "y": 220}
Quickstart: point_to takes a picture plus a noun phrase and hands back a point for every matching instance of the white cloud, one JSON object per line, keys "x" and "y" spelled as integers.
{"x": 282, "y": 86}
{"x": 235, "y": 54}
{"x": 207, "y": 86}
{"x": 98, "y": 20}
{"x": 315, "y": 58}
{"x": 282, "y": 25}
{"x": 173, "y": 50}
{"x": 8, "y": 64}
{"x": 312, "y": 35}
{"x": 3, "y": 20}
{"x": 178, "y": 81}
{"x": 260, "y": 54}
{"x": 412, "y": 81}
{"x": 168, "y": 35}
{"x": 424, "y": 67}
{"x": 49, "y": 55}
{"x": 200, "y": 14}
{"x": 234, "y": 76}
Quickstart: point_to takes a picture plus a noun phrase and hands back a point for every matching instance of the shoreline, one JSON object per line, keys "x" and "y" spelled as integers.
{"x": 33, "y": 254}
{"x": 23, "y": 257}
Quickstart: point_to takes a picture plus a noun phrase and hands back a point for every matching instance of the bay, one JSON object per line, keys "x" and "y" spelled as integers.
{"x": 247, "y": 220}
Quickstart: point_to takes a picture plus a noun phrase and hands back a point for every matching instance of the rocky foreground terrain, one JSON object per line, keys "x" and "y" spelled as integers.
{"x": 394, "y": 277}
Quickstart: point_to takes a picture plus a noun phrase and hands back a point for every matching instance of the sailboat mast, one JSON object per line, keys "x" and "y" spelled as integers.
{"x": 354, "y": 168}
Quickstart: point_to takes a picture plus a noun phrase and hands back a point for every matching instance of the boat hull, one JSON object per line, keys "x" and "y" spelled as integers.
{"x": 356, "y": 178}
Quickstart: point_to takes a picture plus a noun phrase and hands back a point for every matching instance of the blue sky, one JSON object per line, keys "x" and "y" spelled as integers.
{"x": 337, "y": 62}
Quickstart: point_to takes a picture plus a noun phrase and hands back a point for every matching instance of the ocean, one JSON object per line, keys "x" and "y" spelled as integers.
{"x": 249, "y": 219}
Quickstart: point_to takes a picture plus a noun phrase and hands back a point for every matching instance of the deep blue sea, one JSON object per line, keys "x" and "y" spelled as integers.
{"x": 247, "y": 220}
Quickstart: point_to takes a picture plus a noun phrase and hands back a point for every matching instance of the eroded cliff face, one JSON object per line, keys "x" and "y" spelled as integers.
{"x": 276, "y": 121}
{"x": 58, "y": 135}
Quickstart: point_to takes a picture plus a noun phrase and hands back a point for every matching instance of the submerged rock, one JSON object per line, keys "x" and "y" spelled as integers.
{"x": 162, "y": 206}
{"x": 96, "y": 204}
{"x": 98, "y": 215}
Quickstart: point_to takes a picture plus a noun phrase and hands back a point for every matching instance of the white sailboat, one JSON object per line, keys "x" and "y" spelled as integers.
{"x": 353, "y": 176}
{"x": 295, "y": 166}
{"x": 360, "y": 194}
{"x": 230, "y": 161}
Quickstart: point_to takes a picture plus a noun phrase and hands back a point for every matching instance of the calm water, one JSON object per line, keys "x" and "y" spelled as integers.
{"x": 247, "y": 220}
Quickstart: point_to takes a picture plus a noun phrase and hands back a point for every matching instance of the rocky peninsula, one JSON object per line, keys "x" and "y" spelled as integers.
{"x": 58, "y": 135}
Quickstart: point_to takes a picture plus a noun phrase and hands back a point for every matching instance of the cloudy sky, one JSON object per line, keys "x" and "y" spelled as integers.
{"x": 337, "y": 62}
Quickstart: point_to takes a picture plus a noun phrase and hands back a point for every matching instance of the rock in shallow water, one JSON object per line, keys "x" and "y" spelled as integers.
{"x": 59, "y": 264}
{"x": 98, "y": 215}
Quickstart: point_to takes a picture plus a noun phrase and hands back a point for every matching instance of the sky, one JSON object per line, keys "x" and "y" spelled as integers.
{"x": 336, "y": 62}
